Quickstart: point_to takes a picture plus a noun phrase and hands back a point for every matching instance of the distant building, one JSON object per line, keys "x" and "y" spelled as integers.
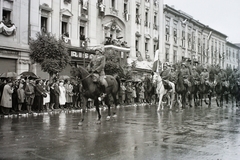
{"x": 187, "y": 39}
{"x": 232, "y": 55}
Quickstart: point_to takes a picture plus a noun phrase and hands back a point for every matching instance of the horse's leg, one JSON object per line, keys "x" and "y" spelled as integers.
{"x": 116, "y": 102}
{"x": 96, "y": 103}
{"x": 217, "y": 100}
{"x": 160, "y": 102}
{"x": 109, "y": 107}
{"x": 83, "y": 111}
{"x": 210, "y": 99}
{"x": 172, "y": 99}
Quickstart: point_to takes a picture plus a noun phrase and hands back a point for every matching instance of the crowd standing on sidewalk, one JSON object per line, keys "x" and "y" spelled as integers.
{"x": 27, "y": 95}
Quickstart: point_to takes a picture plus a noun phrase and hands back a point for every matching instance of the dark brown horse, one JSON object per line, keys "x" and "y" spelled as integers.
{"x": 181, "y": 89}
{"x": 92, "y": 90}
{"x": 234, "y": 90}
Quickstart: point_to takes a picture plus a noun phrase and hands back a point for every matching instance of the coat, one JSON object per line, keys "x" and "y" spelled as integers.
{"x": 97, "y": 64}
{"x": 29, "y": 90}
{"x": 62, "y": 96}
{"x": 6, "y": 100}
{"x": 69, "y": 93}
{"x": 21, "y": 95}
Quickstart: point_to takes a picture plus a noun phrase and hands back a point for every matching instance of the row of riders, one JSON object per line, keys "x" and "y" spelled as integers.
{"x": 192, "y": 84}
{"x": 183, "y": 81}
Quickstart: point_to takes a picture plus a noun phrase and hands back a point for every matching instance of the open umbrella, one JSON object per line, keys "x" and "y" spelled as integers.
{"x": 63, "y": 77}
{"x": 9, "y": 75}
{"x": 29, "y": 74}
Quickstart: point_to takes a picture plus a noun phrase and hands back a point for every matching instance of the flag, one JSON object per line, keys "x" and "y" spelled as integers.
{"x": 209, "y": 35}
{"x": 184, "y": 21}
{"x": 156, "y": 55}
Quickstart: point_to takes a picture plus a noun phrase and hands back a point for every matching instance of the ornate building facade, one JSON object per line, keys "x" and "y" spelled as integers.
{"x": 134, "y": 30}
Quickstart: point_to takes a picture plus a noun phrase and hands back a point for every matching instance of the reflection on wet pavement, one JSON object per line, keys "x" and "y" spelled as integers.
{"x": 138, "y": 132}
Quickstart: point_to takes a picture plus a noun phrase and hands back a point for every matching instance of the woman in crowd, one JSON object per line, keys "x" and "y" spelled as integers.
{"x": 57, "y": 94}
{"x": 69, "y": 93}
{"x": 52, "y": 96}
{"x": 6, "y": 100}
{"x": 46, "y": 100}
{"x": 21, "y": 96}
{"x": 62, "y": 95}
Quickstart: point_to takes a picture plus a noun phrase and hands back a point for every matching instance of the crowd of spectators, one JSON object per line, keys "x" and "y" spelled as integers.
{"x": 38, "y": 95}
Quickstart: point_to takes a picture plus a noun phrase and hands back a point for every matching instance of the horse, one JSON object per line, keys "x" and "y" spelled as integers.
{"x": 234, "y": 90}
{"x": 161, "y": 91}
{"x": 221, "y": 89}
{"x": 181, "y": 89}
{"x": 206, "y": 89}
{"x": 194, "y": 91}
{"x": 92, "y": 90}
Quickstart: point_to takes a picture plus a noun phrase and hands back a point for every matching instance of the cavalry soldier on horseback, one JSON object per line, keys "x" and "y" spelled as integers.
{"x": 173, "y": 75}
{"x": 96, "y": 66}
{"x": 185, "y": 73}
{"x": 222, "y": 77}
{"x": 195, "y": 75}
{"x": 165, "y": 74}
{"x": 204, "y": 76}
{"x": 235, "y": 75}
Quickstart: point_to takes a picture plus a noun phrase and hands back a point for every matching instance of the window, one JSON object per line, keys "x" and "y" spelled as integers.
{"x": 183, "y": 38}
{"x": 167, "y": 33}
{"x": 138, "y": 20}
{"x": 113, "y": 4}
{"x": 82, "y": 33}
{"x": 6, "y": 15}
{"x": 43, "y": 24}
{"x": 146, "y": 46}
{"x": 175, "y": 35}
{"x": 64, "y": 28}
{"x": 174, "y": 56}
{"x": 146, "y": 18}
{"x": 167, "y": 55}
{"x": 125, "y": 8}
{"x": 136, "y": 45}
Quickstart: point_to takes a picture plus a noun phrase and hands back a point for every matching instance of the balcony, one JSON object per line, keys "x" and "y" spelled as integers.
{"x": 7, "y": 28}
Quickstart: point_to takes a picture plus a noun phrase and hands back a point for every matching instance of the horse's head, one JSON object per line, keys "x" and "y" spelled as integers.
{"x": 156, "y": 77}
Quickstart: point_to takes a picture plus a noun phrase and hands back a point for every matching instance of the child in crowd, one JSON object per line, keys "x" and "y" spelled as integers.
{"x": 21, "y": 96}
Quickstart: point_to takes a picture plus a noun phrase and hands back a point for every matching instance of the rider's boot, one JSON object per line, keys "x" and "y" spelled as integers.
{"x": 103, "y": 89}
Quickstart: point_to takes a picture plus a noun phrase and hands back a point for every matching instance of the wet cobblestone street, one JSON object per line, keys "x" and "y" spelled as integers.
{"x": 138, "y": 132}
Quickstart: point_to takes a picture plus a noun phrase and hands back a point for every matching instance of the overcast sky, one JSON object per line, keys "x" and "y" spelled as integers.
{"x": 221, "y": 15}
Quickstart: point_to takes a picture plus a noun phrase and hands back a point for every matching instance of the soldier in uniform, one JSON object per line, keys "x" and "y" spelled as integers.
{"x": 185, "y": 73}
{"x": 195, "y": 75}
{"x": 96, "y": 66}
{"x": 173, "y": 75}
{"x": 165, "y": 74}
{"x": 204, "y": 75}
{"x": 222, "y": 77}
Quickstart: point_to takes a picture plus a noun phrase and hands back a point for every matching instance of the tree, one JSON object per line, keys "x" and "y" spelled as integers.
{"x": 50, "y": 53}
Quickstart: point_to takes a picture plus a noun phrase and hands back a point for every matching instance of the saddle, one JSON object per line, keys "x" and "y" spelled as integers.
{"x": 167, "y": 85}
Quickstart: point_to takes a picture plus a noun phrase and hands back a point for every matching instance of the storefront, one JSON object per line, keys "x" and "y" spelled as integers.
{"x": 79, "y": 56}
{"x": 8, "y": 60}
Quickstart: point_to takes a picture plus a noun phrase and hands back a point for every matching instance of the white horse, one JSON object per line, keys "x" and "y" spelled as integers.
{"x": 161, "y": 91}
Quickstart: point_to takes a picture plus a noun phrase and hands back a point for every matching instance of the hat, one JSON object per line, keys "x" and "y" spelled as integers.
{"x": 166, "y": 64}
{"x": 61, "y": 80}
{"x": 184, "y": 63}
{"x": 99, "y": 49}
